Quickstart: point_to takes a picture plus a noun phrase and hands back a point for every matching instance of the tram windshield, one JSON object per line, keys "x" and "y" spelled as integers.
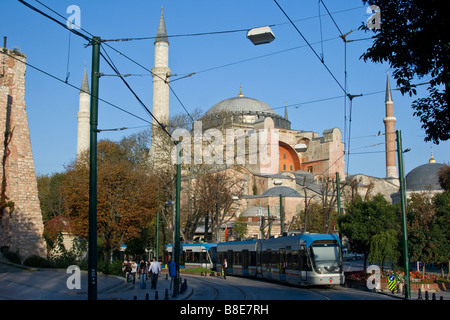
{"x": 326, "y": 256}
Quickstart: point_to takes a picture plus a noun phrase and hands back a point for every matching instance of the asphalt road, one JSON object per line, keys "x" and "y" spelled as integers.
{"x": 50, "y": 284}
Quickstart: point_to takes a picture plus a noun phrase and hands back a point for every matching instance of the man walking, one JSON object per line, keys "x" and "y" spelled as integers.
{"x": 225, "y": 268}
{"x": 155, "y": 268}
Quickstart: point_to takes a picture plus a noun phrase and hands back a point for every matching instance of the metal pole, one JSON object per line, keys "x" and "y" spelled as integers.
{"x": 92, "y": 253}
{"x": 403, "y": 205}
{"x": 281, "y": 215}
{"x": 268, "y": 218}
{"x": 176, "y": 288}
{"x": 338, "y": 190}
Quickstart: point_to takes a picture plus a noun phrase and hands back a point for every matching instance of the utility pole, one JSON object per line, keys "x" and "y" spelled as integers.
{"x": 176, "y": 253}
{"x": 92, "y": 253}
{"x": 403, "y": 205}
{"x": 281, "y": 215}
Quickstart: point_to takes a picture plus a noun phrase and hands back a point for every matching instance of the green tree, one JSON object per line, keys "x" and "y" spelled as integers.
{"x": 371, "y": 224}
{"x": 50, "y": 197}
{"x": 422, "y": 242}
{"x": 441, "y": 230}
{"x": 413, "y": 37}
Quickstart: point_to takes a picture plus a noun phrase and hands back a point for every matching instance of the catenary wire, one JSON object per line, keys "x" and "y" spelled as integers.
{"x": 73, "y": 86}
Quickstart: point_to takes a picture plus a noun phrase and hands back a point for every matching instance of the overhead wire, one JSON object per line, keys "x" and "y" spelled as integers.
{"x": 310, "y": 46}
{"x": 73, "y": 86}
{"x": 108, "y": 61}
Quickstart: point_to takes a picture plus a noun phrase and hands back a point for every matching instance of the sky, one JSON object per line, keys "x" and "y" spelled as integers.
{"x": 286, "y": 72}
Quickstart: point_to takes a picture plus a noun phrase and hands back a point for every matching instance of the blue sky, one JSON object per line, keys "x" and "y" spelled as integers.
{"x": 284, "y": 72}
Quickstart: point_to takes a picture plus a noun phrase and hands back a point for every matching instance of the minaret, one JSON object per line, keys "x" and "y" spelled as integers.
{"x": 161, "y": 74}
{"x": 389, "y": 128}
{"x": 83, "y": 116}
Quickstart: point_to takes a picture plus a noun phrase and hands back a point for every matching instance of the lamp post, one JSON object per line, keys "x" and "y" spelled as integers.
{"x": 176, "y": 254}
{"x": 403, "y": 206}
{"x": 92, "y": 239}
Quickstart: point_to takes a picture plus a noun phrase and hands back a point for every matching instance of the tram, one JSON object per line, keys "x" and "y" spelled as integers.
{"x": 195, "y": 255}
{"x": 304, "y": 259}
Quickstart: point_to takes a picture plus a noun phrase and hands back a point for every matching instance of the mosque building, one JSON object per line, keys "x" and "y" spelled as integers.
{"x": 305, "y": 159}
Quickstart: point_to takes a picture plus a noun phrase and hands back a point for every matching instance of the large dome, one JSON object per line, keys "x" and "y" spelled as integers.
{"x": 423, "y": 177}
{"x": 240, "y": 105}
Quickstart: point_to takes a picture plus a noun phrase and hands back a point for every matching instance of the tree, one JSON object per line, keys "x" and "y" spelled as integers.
{"x": 444, "y": 177}
{"x": 369, "y": 224}
{"x": 441, "y": 230}
{"x": 126, "y": 197}
{"x": 413, "y": 37}
{"x": 215, "y": 192}
{"x": 50, "y": 197}
{"x": 421, "y": 217}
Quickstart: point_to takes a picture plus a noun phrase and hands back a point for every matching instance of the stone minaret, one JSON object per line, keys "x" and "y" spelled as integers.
{"x": 389, "y": 128}
{"x": 161, "y": 74}
{"x": 83, "y": 116}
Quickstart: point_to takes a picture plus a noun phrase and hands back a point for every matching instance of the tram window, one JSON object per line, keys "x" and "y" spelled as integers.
{"x": 253, "y": 258}
{"x": 274, "y": 259}
{"x": 230, "y": 258}
{"x": 304, "y": 262}
{"x": 291, "y": 259}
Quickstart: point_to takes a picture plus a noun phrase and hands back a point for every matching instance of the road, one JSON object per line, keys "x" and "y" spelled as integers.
{"x": 48, "y": 284}
{"x": 241, "y": 289}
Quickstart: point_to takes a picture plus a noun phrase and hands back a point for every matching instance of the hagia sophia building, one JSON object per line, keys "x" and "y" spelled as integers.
{"x": 305, "y": 159}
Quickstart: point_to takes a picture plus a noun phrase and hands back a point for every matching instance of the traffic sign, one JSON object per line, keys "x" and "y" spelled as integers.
{"x": 392, "y": 283}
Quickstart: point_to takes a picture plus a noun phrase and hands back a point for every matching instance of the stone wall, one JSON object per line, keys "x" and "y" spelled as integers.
{"x": 21, "y": 225}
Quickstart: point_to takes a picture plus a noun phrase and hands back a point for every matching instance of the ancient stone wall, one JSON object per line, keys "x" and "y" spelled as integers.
{"x": 21, "y": 225}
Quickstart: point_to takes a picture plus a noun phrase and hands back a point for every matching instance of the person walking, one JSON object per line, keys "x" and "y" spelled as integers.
{"x": 172, "y": 272}
{"x": 143, "y": 271}
{"x": 133, "y": 270}
{"x": 126, "y": 268}
{"x": 225, "y": 268}
{"x": 155, "y": 268}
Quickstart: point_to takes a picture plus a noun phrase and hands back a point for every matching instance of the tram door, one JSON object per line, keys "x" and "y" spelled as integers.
{"x": 204, "y": 261}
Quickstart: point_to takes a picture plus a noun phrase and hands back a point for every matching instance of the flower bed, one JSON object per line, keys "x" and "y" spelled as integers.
{"x": 427, "y": 282}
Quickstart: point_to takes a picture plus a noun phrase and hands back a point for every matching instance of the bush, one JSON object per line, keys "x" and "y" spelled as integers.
{"x": 13, "y": 257}
{"x": 36, "y": 261}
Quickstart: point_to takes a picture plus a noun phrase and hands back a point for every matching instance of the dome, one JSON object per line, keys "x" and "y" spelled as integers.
{"x": 284, "y": 191}
{"x": 240, "y": 104}
{"x": 424, "y": 177}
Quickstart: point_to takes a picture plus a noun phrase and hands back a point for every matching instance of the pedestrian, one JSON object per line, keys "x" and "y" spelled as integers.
{"x": 155, "y": 268}
{"x": 143, "y": 271}
{"x": 133, "y": 270}
{"x": 172, "y": 272}
{"x": 225, "y": 268}
{"x": 126, "y": 268}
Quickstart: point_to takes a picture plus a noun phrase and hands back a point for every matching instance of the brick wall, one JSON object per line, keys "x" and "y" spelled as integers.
{"x": 21, "y": 226}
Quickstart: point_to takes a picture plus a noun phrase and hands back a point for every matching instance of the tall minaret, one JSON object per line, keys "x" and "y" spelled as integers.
{"x": 161, "y": 74}
{"x": 83, "y": 116}
{"x": 389, "y": 128}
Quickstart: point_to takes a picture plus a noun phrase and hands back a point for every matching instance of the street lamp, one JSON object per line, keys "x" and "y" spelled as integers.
{"x": 403, "y": 205}
{"x": 261, "y": 35}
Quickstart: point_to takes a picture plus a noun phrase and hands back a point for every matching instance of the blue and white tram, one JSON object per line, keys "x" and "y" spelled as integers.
{"x": 195, "y": 255}
{"x": 305, "y": 259}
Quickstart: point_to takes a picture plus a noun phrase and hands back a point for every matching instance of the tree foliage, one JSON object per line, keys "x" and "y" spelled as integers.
{"x": 413, "y": 37}
{"x": 126, "y": 196}
{"x": 371, "y": 224}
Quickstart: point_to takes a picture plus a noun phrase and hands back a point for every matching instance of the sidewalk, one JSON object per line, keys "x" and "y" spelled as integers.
{"x": 130, "y": 291}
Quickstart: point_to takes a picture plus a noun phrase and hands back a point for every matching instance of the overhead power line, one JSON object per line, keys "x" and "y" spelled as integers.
{"x": 72, "y": 86}
{"x": 310, "y": 46}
